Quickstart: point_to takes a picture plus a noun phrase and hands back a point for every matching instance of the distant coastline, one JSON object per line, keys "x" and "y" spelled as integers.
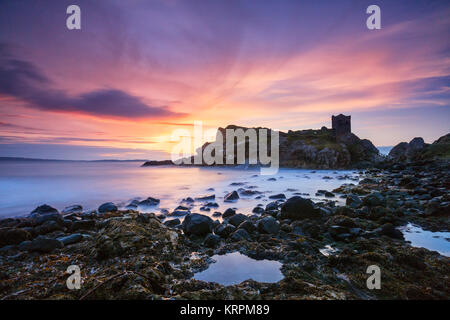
{"x": 62, "y": 160}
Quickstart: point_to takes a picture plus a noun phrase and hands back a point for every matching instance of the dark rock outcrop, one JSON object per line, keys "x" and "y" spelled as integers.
{"x": 197, "y": 224}
{"x": 320, "y": 149}
{"x": 297, "y": 208}
{"x": 107, "y": 207}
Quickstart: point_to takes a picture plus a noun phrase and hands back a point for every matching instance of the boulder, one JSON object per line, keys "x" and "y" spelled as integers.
{"x": 232, "y": 196}
{"x": 82, "y": 225}
{"x": 197, "y": 224}
{"x": 297, "y": 208}
{"x": 211, "y": 240}
{"x": 41, "y": 244}
{"x": 224, "y": 230}
{"x": 47, "y": 227}
{"x": 12, "y": 236}
{"x": 107, "y": 207}
{"x": 228, "y": 213}
{"x": 71, "y": 239}
{"x": 237, "y": 219}
{"x": 72, "y": 209}
{"x": 374, "y": 199}
{"x": 277, "y": 196}
{"x": 353, "y": 201}
{"x": 248, "y": 226}
{"x": 205, "y": 198}
{"x": 172, "y": 223}
{"x": 44, "y": 213}
{"x": 389, "y": 230}
{"x": 268, "y": 225}
{"x": 258, "y": 210}
{"x": 149, "y": 202}
{"x": 240, "y": 234}
{"x": 272, "y": 206}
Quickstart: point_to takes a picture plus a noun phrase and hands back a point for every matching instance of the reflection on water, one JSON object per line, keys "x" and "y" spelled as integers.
{"x": 27, "y": 184}
{"x": 435, "y": 241}
{"x": 233, "y": 268}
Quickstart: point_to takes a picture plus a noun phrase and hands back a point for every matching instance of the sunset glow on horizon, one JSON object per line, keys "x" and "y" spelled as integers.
{"x": 138, "y": 70}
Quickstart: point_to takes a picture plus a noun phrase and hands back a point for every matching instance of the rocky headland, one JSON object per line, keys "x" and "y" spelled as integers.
{"x": 312, "y": 149}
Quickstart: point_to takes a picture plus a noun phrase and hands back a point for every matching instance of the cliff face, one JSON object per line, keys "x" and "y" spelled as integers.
{"x": 317, "y": 149}
{"x": 417, "y": 150}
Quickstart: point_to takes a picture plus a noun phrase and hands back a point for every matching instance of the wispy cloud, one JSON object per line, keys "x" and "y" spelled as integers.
{"x": 22, "y": 80}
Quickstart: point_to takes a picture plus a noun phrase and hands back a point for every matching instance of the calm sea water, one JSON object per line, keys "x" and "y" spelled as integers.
{"x": 26, "y": 184}
{"x": 233, "y": 268}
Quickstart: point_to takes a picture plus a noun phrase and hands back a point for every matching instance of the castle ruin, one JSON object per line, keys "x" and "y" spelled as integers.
{"x": 341, "y": 125}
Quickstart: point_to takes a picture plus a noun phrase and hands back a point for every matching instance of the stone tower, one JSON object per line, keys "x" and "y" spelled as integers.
{"x": 341, "y": 124}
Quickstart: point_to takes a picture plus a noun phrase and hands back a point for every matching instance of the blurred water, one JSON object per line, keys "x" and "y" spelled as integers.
{"x": 26, "y": 184}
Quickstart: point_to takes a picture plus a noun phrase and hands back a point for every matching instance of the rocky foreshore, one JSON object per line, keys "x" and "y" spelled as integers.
{"x": 325, "y": 249}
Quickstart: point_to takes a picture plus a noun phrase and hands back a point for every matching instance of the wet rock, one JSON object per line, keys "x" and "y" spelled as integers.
{"x": 75, "y": 209}
{"x": 188, "y": 200}
{"x": 47, "y": 227}
{"x": 83, "y": 225}
{"x": 172, "y": 223}
{"x": 286, "y": 228}
{"x": 149, "y": 202}
{"x": 248, "y": 226}
{"x": 374, "y": 199}
{"x": 240, "y": 234}
{"x": 211, "y": 240}
{"x": 228, "y": 213}
{"x": 272, "y": 206}
{"x": 337, "y": 231}
{"x": 237, "y": 219}
{"x": 180, "y": 213}
{"x": 107, "y": 207}
{"x": 41, "y": 244}
{"x": 353, "y": 201}
{"x": 224, "y": 230}
{"x": 297, "y": 208}
{"x": 247, "y": 193}
{"x": 212, "y": 205}
{"x": 205, "y": 198}
{"x": 216, "y": 214}
{"x": 205, "y": 208}
{"x": 44, "y": 213}
{"x": 133, "y": 205}
{"x": 42, "y": 210}
{"x": 197, "y": 224}
{"x": 389, "y": 230}
{"x": 277, "y": 196}
{"x": 268, "y": 225}
{"x": 232, "y": 196}
{"x": 71, "y": 239}
{"x": 11, "y": 236}
{"x": 258, "y": 210}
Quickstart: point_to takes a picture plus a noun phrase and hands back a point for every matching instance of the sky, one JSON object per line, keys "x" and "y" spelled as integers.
{"x": 138, "y": 70}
